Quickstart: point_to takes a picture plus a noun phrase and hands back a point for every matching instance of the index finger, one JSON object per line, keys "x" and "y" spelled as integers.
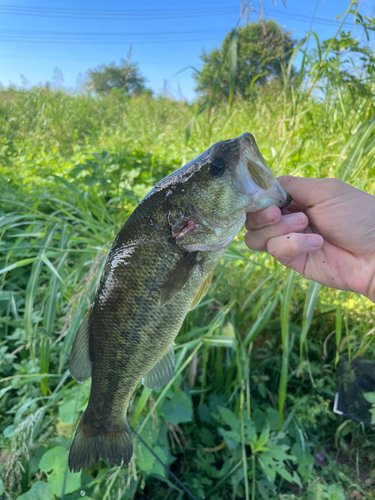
{"x": 309, "y": 192}
{"x": 262, "y": 218}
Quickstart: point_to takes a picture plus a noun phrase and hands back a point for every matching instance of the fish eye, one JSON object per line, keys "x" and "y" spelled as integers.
{"x": 217, "y": 167}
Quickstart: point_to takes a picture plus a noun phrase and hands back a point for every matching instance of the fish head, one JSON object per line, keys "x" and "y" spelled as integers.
{"x": 232, "y": 176}
{"x": 219, "y": 187}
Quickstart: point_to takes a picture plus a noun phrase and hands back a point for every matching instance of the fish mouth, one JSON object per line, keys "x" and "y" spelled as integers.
{"x": 253, "y": 177}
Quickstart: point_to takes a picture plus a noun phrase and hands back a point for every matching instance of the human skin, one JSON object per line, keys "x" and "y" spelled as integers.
{"x": 327, "y": 234}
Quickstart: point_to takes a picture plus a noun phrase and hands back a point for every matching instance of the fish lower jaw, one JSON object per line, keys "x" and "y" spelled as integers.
{"x": 276, "y": 195}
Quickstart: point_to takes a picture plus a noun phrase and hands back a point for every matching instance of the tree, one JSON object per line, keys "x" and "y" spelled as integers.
{"x": 262, "y": 48}
{"x": 57, "y": 78}
{"x": 125, "y": 76}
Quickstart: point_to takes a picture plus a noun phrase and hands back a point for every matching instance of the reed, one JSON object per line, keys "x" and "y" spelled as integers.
{"x": 257, "y": 409}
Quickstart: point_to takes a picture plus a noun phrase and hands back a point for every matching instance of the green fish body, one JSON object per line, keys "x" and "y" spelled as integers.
{"x": 160, "y": 265}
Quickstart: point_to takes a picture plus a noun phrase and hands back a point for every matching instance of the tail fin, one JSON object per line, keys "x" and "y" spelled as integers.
{"x": 114, "y": 446}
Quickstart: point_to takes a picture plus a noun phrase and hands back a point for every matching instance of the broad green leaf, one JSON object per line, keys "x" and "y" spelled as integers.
{"x": 232, "y": 439}
{"x": 38, "y": 491}
{"x": 9, "y": 431}
{"x": 56, "y": 482}
{"x": 157, "y": 468}
{"x": 263, "y": 438}
{"x": 267, "y": 466}
{"x": 272, "y": 463}
{"x": 144, "y": 458}
{"x": 67, "y": 412}
{"x": 232, "y": 435}
{"x": 369, "y": 396}
{"x": 230, "y": 419}
{"x": 179, "y": 411}
{"x": 55, "y": 460}
{"x": 249, "y": 429}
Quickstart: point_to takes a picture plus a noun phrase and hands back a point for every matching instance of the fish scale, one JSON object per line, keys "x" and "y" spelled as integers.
{"x": 160, "y": 264}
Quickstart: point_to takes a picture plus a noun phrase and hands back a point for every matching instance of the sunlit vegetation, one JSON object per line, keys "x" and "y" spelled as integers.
{"x": 249, "y": 411}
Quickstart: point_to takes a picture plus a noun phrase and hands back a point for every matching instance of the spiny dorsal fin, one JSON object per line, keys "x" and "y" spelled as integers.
{"x": 202, "y": 291}
{"x": 79, "y": 363}
{"x": 161, "y": 373}
{"x": 178, "y": 277}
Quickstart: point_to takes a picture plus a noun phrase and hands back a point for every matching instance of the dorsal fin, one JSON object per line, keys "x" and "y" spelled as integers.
{"x": 79, "y": 362}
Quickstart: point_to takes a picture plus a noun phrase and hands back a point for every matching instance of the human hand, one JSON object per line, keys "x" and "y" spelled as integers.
{"x": 327, "y": 234}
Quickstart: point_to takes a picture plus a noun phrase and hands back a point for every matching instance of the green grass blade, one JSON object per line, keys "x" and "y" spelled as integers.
{"x": 49, "y": 264}
{"x": 232, "y": 64}
{"x": 357, "y": 144}
{"x": 20, "y": 263}
{"x": 50, "y": 308}
{"x": 308, "y": 310}
{"x": 32, "y": 288}
{"x": 286, "y": 297}
{"x": 338, "y": 333}
{"x": 261, "y": 322}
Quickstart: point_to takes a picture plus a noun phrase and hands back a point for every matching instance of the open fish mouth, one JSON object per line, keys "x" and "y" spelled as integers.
{"x": 254, "y": 178}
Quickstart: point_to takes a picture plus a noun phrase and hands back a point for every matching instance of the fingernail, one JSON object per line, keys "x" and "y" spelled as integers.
{"x": 296, "y": 219}
{"x": 315, "y": 241}
{"x": 265, "y": 216}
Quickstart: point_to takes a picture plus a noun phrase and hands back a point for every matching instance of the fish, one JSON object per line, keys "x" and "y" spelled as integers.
{"x": 160, "y": 266}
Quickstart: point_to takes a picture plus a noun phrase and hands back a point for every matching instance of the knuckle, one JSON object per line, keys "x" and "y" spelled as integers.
{"x": 283, "y": 247}
{"x": 285, "y": 179}
{"x": 334, "y": 184}
{"x": 273, "y": 248}
{"x": 254, "y": 243}
{"x": 260, "y": 218}
{"x": 291, "y": 244}
{"x": 251, "y": 221}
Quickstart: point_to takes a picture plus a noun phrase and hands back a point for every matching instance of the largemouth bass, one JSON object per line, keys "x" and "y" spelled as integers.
{"x": 159, "y": 267}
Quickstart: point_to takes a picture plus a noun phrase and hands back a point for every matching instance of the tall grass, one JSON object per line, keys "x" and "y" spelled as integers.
{"x": 255, "y": 416}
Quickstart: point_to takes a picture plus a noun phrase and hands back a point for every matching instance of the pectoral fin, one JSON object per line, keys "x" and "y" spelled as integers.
{"x": 202, "y": 291}
{"x": 161, "y": 373}
{"x": 178, "y": 277}
{"x": 79, "y": 361}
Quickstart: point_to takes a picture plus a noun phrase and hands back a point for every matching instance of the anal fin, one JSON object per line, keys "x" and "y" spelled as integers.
{"x": 79, "y": 361}
{"x": 162, "y": 372}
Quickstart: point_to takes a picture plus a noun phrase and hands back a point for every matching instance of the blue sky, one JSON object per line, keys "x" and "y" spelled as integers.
{"x": 166, "y": 36}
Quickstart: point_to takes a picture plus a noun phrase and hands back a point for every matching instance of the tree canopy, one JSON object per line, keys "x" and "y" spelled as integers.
{"x": 125, "y": 76}
{"x": 262, "y": 47}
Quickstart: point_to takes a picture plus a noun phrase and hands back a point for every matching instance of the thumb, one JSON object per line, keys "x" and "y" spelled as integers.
{"x": 309, "y": 192}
